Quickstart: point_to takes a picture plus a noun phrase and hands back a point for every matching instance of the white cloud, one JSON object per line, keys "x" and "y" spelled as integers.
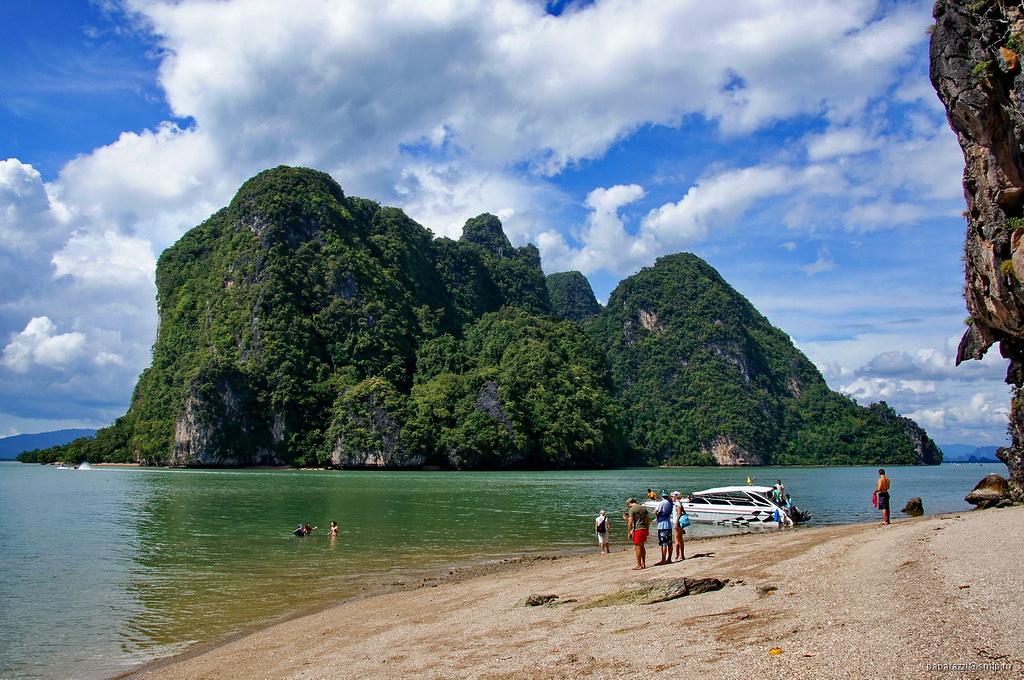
{"x": 502, "y": 76}
{"x": 442, "y": 197}
{"x": 108, "y": 359}
{"x": 39, "y": 345}
{"x": 839, "y": 142}
{"x": 883, "y": 214}
{"x": 61, "y": 271}
{"x": 605, "y": 244}
{"x": 952, "y": 402}
{"x": 713, "y": 205}
{"x": 714, "y": 201}
{"x": 970, "y": 416}
{"x": 154, "y": 184}
{"x": 106, "y": 259}
{"x": 824, "y": 263}
{"x": 27, "y": 215}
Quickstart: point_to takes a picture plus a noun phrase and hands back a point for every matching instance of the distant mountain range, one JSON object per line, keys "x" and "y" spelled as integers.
{"x": 968, "y": 453}
{"x": 15, "y": 444}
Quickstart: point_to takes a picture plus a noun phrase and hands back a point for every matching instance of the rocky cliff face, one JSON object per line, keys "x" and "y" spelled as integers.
{"x": 220, "y": 425}
{"x": 727, "y": 453}
{"x": 976, "y": 49}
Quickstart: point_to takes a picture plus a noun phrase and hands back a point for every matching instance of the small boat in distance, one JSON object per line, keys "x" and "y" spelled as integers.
{"x": 84, "y": 465}
{"x": 743, "y": 506}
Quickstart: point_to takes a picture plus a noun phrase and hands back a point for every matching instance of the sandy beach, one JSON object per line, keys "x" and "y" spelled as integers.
{"x": 939, "y": 596}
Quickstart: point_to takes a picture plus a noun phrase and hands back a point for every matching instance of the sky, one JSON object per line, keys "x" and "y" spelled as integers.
{"x": 796, "y": 145}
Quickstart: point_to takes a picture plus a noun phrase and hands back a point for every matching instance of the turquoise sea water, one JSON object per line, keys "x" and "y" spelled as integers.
{"x": 103, "y": 569}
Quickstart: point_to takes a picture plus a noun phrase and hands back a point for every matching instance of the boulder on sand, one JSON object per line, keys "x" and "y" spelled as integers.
{"x": 658, "y": 590}
{"x": 989, "y": 492}
{"x": 914, "y": 507}
{"x": 539, "y": 600}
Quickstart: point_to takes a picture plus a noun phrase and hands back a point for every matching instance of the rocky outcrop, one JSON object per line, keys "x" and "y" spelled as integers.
{"x": 490, "y": 403}
{"x": 726, "y": 452}
{"x": 366, "y": 428}
{"x": 658, "y": 590}
{"x": 975, "y": 50}
{"x": 990, "y": 492}
{"x": 649, "y": 320}
{"x": 219, "y": 424}
{"x": 914, "y": 507}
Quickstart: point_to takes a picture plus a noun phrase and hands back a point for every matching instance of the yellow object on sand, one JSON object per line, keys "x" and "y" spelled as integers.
{"x": 775, "y": 651}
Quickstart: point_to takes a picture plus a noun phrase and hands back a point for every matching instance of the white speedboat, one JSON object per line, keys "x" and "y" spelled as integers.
{"x": 740, "y": 506}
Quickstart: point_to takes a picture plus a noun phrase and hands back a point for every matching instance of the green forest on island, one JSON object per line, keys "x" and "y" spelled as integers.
{"x": 301, "y": 326}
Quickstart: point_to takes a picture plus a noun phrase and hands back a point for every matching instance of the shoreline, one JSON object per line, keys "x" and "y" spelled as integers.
{"x": 829, "y": 582}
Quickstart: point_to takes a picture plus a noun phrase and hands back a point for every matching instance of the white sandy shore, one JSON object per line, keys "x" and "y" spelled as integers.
{"x": 855, "y": 601}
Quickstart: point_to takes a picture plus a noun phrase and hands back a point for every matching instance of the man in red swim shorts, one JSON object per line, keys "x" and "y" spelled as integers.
{"x": 639, "y": 522}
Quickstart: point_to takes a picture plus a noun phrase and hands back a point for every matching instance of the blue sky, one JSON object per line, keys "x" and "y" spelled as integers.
{"x": 797, "y": 146}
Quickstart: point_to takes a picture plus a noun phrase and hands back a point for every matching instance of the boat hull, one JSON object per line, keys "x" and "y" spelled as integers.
{"x": 736, "y": 516}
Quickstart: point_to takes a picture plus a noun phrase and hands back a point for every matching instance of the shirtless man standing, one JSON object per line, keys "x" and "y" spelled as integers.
{"x": 883, "y": 495}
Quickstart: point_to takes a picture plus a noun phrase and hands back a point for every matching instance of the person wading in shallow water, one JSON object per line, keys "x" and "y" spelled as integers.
{"x": 882, "y": 489}
{"x": 638, "y": 520}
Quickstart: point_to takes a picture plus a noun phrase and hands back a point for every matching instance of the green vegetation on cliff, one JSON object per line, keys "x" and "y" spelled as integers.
{"x": 302, "y": 326}
{"x": 706, "y": 379}
{"x": 572, "y": 297}
{"x": 518, "y": 391}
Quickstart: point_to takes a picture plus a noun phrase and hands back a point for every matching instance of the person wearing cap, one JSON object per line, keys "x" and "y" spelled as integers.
{"x": 677, "y": 512}
{"x": 663, "y": 518}
{"x": 638, "y": 521}
{"x": 603, "y": 531}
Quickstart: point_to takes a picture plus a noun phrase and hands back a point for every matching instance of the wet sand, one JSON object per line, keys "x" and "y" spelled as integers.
{"x": 853, "y": 601}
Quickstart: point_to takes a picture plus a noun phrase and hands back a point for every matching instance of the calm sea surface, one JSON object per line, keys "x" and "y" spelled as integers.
{"x": 103, "y": 569}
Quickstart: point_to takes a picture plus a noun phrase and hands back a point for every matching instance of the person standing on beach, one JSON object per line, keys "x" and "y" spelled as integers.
{"x": 638, "y": 521}
{"x": 677, "y": 512}
{"x": 663, "y": 517}
{"x": 882, "y": 489}
{"x": 601, "y": 526}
